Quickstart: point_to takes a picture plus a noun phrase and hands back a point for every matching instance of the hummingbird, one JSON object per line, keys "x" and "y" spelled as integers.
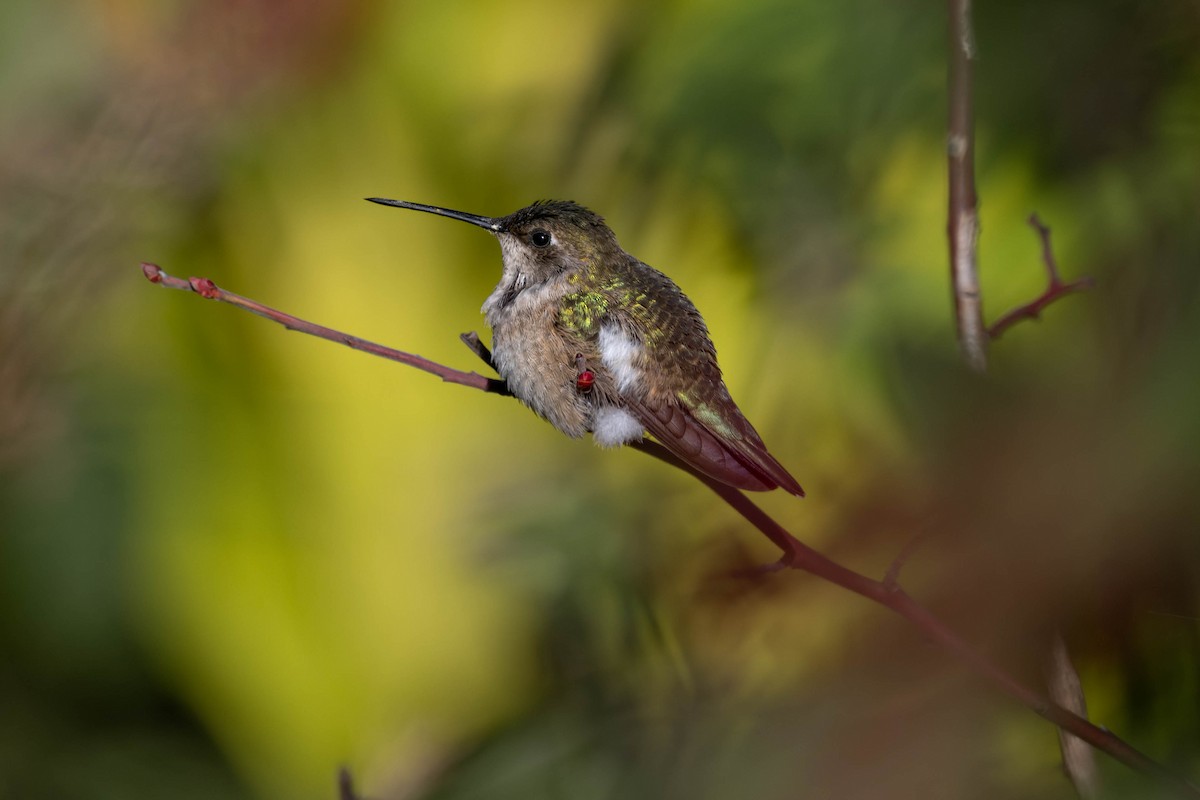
{"x": 594, "y": 340}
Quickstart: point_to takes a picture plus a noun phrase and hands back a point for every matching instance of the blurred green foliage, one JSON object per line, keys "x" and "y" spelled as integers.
{"x": 233, "y": 559}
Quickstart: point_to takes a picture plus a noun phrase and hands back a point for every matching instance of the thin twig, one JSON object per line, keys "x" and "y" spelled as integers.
{"x": 962, "y": 225}
{"x": 475, "y": 345}
{"x": 892, "y": 578}
{"x": 797, "y": 555}
{"x": 346, "y": 785}
{"x": 1055, "y": 288}
{"x": 210, "y": 291}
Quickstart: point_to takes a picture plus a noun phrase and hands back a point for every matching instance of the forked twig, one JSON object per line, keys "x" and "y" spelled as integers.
{"x": 963, "y": 231}
{"x": 1055, "y": 290}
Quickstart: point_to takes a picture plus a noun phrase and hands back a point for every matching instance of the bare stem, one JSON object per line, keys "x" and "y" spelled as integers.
{"x": 963, "y": 220}
{"x": 1079, "y": 760}
{"x": 796, "y": 554}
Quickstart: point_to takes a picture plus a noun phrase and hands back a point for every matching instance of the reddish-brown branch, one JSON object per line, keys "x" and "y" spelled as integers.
{"x": 1055, "y": 288}
{"x": 796, "y": 554}
{"x": 210, "y": 291}
{"x": 887, "y": 593}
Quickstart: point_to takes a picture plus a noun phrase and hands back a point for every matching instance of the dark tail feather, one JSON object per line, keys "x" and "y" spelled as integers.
{"x": 759, "y": 460}
{"x": 748, "y": 467}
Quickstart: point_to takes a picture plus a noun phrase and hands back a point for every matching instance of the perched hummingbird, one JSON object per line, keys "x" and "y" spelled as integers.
{"x": 592, "y": 339}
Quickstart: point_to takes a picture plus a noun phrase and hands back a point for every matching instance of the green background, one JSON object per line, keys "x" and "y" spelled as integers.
{"x": 233, "y": 558}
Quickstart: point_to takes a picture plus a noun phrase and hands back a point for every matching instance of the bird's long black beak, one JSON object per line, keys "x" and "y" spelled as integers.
{"x": 490, "y": 223}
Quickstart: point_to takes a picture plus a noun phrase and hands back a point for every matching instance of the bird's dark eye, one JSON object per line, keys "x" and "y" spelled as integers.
{"x": 540, "y": 238}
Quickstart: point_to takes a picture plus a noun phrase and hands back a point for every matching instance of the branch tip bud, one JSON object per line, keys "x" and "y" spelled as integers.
{"x": 205, "y": 288}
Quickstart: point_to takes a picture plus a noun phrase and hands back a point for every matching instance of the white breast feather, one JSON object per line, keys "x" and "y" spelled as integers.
{"x": 620, "y": 353}
{"x": 612, "y": 426}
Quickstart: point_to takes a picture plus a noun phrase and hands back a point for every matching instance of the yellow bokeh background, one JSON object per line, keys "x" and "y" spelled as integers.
{"x": 236, "y": 559}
